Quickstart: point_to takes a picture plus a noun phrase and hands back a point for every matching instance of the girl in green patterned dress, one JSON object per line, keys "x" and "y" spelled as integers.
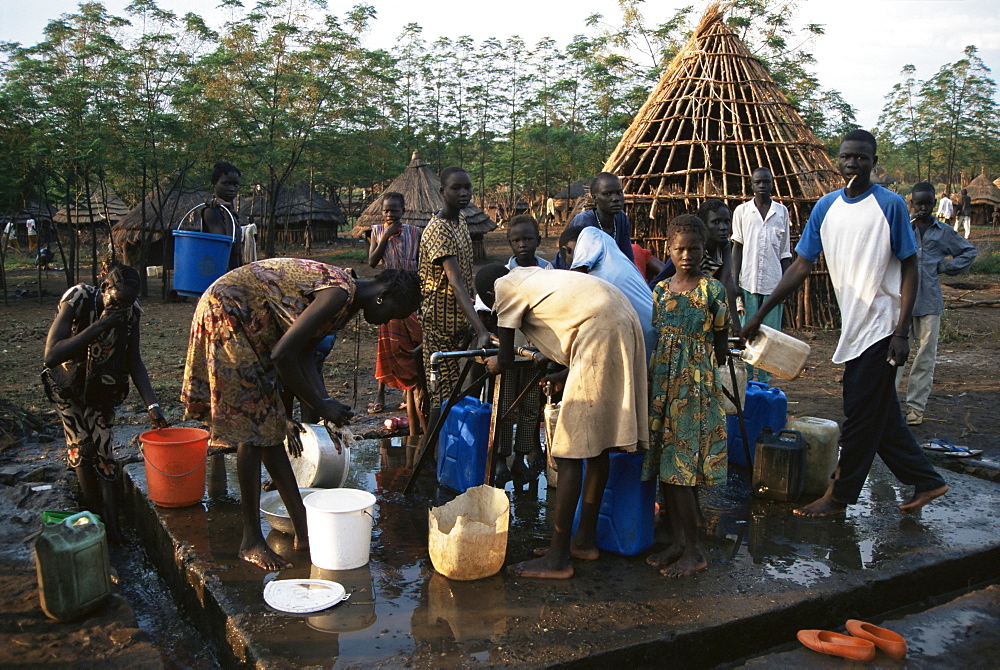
{"x": 687, "y": 435}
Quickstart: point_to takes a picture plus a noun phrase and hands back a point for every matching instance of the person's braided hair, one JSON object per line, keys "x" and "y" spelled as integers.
{"x": 685, "y": 224}
{"x": 116, "y": 273}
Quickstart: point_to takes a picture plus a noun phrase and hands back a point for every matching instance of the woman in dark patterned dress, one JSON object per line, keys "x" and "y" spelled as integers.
{"x": 91, "y": 352}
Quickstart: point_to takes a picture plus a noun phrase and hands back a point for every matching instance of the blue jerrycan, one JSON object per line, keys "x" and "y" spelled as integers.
{"x": 461, "y": 462}
{"x": 625, "y": 520}
{"x": 764, "y": 406}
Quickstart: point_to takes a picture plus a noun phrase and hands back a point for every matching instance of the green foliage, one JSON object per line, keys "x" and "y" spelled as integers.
{"x": 290, "y": 94}
{"x": 986, "y": 264}
{"x": 943, "y": 127}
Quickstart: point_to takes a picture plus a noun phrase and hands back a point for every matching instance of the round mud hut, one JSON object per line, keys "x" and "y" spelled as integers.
{"x": 421, "y": 187}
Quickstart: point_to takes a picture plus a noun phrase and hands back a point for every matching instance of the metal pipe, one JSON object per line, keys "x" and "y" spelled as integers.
{"x": 438, "y": 356}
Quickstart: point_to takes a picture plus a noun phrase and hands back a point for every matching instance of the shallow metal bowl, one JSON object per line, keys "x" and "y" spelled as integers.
{"x": 275, "y": 512}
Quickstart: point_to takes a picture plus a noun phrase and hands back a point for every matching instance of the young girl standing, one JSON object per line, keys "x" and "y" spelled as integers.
{"x": 687, "y": 443}
{"x": 446, "y": 285}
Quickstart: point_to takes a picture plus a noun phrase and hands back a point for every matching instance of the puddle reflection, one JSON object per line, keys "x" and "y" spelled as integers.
{"x": 400, "y": 609}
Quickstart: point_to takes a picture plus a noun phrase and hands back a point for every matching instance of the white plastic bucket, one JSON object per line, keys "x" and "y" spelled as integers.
{"x": 340, "y": 528}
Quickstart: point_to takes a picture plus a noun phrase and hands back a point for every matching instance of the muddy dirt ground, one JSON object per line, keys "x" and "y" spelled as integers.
{"x": 962, "y": 409}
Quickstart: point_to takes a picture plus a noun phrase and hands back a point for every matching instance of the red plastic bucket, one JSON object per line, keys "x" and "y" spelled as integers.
{"x": 175, "y": 465}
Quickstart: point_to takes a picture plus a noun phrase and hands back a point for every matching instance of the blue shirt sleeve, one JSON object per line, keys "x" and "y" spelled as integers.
{"x": 901, "y": 237}
{"x": 589, "y": 250}
{"x": 811, "y": 244}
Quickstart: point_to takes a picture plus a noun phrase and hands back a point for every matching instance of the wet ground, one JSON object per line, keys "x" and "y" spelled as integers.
{"x": 771, "y": 573}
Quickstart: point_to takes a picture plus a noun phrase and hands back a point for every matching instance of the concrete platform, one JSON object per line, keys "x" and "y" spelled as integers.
{"x": 771, "y": 573}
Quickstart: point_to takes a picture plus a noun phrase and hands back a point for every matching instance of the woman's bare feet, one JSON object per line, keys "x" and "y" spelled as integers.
{"x": 262, "y": 555}
{"x": 920, "y": 499}
{"x": 666, "y": 557}
{"x": 685, "y": 565}
{"x": 579, "y": 553}
{"x": 825, "y": 506}
{"x": 540, "y": 569}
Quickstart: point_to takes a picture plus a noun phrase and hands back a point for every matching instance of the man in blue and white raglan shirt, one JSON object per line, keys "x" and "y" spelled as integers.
{"x": 865, "y": 233}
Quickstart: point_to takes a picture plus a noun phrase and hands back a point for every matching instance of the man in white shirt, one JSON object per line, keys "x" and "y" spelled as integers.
{"x": 864, "y": 232}
{"x": 32, "y": 234}
{"x": 761, "y": 253}
{"x": 9, "y": 237}
{"x": 946, "y": 208}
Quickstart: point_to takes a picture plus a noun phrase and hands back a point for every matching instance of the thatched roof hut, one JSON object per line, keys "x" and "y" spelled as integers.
{"x": 148, "y": 221}
{"x": 35, "y": 210}
{"x": 421, "y": 187}
{"x": 97, "y": 206}
{"x": 296, "y": 207}
{"x": 982, "y": 191}
{"x": 715, "y": 115}
{"x": 985, "y": 197}
{"x": 570, "y": 201}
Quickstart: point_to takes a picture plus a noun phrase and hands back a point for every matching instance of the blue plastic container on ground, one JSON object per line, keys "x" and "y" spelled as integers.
{"x": 625, "y": 521}
{"x": 461, "y": 462}
{"x": 199, "y": 259}
{"x": 764, "y": 406}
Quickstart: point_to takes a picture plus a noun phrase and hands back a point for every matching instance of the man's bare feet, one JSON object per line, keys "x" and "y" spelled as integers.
{"x": 540, "y": 569}
{"x": 920, "y": 499}
{"x": 685, "y": 565}
{"x": 666, "y": 557}
{"x": 262, "y": 555}
{"x": 579, "y": 553}
{"x": 825, "y": 506}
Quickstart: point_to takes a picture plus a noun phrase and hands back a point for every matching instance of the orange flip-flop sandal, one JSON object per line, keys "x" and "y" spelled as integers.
{"x": 891, "y": 643}
{"x": 836, "y": 644}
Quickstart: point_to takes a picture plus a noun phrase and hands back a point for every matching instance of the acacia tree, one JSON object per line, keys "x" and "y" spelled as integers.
{"x": 900, "y": 125}
{"x": 959, "y": 110}
{"x": 279, "y": 75}
{"x": 65, "y": 88}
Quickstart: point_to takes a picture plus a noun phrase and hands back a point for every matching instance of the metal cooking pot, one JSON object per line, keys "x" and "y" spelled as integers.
{"x": 320, "y": 465}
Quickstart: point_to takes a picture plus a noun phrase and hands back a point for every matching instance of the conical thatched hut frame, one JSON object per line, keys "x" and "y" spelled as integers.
{"x": 422, "y": 189}
{"x": 985, "y": 195}
{"x": 109, "y": 209}
{"x": 715, "y": 115}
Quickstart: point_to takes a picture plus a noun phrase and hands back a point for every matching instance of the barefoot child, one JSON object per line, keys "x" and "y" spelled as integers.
{"x": 524, "y": 238}
{"x": 687, "y": 443}
{"x": 394, "y": 245}
{"x": 864, "y": 231}
{"x": 588, "y": 326}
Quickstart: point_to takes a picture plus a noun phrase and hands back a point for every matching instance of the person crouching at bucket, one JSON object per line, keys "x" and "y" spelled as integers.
{"x": 91, "y": 351}
{"x": 255, "y": 330}
{"x": 587, "y": 326}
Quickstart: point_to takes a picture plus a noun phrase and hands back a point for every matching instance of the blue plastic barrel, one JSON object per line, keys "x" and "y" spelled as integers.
{"x": 199, "y": 259}
{"x": 625, "y": 520}
{"x": 462, "y": 445}
{"x": 764, "y": 406}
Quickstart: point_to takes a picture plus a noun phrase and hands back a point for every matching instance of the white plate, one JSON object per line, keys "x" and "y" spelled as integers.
{"x": 301, "y": 596}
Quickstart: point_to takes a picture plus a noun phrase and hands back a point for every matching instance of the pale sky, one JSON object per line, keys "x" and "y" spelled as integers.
{"x": 867, "y": 42}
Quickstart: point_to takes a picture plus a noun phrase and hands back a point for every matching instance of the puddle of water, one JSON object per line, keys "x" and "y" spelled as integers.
{"x": 401, "y": 609}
